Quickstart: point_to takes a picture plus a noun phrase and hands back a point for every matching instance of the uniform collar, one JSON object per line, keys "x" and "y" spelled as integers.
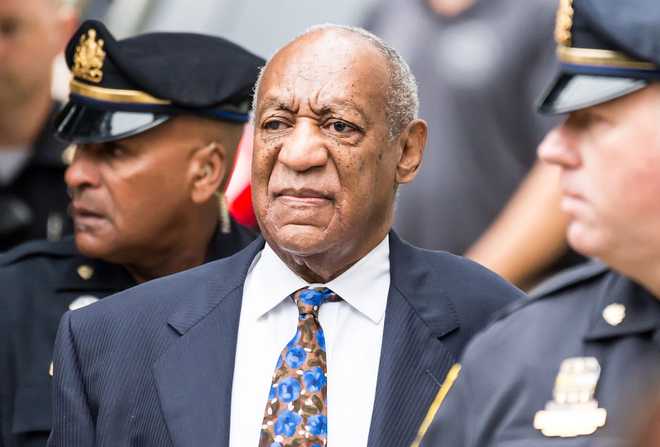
{"x": 223, "y": 245}
{"x": 91, "y": 274}
{"x": 642, "y": 309}
{"x": 87, "y": 274}
{"x": 364, "y": 286}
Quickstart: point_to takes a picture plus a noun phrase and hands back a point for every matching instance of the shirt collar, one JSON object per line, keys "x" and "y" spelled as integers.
{"x": 642, "y": 309}
{"x": 364, "y": 286}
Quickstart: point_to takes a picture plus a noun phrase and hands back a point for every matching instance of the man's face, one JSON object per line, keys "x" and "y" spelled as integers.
{"x": 323, "y": 172}
{"x": 31, "y": 34}
{"x": 130, "y": 196}
{"x": 609, "y": 157}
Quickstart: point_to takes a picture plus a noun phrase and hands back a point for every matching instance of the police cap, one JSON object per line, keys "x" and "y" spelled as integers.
{"x": 121, "y": 88}
{"x": 606, "y": 49}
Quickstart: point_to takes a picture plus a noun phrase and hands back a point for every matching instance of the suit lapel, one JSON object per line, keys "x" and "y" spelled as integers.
{"x": 194, "y": 376}
{"x": 413, "y": 360}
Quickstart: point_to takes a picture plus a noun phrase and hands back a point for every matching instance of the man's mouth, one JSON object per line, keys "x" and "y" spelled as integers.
{"x": 83, "y": 215}
{"x": 303, "y": 197}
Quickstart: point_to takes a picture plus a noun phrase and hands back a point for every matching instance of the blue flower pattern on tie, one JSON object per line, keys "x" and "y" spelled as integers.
{"x": 295, "y": 357}
{"x": 318, "y": 425}
{"x": 314, "y": 379}
{"x": 288, "y": 390}
{"x": 296, "y": 412}
{"x": 286, "y": 423}
{"x": 320, "y": 338}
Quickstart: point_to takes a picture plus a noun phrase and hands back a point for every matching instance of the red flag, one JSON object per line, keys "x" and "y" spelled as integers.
{"x": 239, "y": 193}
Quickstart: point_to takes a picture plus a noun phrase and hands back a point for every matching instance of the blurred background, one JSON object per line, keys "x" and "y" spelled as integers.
{"x": 480, "y": 65}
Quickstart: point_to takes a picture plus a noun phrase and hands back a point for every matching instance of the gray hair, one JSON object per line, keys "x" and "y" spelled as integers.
{"x": 401, "y": 98}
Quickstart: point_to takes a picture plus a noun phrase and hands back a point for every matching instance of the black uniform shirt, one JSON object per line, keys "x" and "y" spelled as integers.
{"x": 34, "y": 204}
{"x": 511, "y": 371}
{"x": 41, "y": 280}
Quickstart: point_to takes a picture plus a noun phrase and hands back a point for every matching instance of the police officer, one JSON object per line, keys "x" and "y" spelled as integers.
{"x": 566, "y": 367}
{"x": 156, "y": 119}
{"x": 33, "y": 199}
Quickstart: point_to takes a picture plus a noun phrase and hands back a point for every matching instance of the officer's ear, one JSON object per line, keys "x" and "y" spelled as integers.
{"x": 207, "y": 171}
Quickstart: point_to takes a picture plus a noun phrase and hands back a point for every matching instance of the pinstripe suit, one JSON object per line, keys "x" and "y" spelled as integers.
{"x": 153, "y": 365}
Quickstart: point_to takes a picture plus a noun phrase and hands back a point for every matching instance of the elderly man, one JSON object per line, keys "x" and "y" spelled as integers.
{"x": 360, "y": 329}
{"x": 156, "y": 135}
{"x": 565, "y": 368}
{"x": 33, "y": 200}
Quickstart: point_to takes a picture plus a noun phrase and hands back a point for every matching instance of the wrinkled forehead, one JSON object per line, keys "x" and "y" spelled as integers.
{"x": 328, "y": 68}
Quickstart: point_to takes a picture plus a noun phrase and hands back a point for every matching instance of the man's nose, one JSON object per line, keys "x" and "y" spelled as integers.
{"x": 305, "y": 148}
{"x": 558, "y": 148}
{"x": 83, "y": 170}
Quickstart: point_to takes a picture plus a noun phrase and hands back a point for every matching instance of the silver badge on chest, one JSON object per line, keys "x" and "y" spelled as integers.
{"x": 574, "y": 411}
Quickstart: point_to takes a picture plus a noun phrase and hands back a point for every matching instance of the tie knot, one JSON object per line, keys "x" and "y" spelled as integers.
{"x": 310, "y": 299}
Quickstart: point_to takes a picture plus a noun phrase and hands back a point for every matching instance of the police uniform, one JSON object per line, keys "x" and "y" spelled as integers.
{"x": 119, "y": 89}
{"x": 34, "y": 204}
{"x": 568, "y": 366}
{"x": 563, "y": 368}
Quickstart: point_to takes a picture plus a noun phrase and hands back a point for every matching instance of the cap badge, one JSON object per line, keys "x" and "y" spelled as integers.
{"x": 574, "y": 411}
{"x": 564, "y": 23}
{"x": 88, "y": 58}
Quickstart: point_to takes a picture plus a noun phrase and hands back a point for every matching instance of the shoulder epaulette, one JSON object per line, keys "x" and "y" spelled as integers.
{"x": 63, "y": 248}
{"x": 509, "y": 309}
{"x": 568, "y": 278}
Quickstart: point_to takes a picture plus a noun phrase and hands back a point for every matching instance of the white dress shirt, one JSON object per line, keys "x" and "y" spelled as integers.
{"x": 353, "y": 335}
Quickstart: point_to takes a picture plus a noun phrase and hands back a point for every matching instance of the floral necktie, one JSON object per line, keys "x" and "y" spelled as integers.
{"x": 296, "y": 413}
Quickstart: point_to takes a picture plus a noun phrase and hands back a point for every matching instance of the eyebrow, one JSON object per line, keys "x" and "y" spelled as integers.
{"x": 341, "y": 103}
{"x": 274, "y": 102}
{"x": 277, "y": 103}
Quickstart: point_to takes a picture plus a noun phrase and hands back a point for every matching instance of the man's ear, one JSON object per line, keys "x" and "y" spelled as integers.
{"x": 413, "y": 142}
{"x": 208, "y": 168}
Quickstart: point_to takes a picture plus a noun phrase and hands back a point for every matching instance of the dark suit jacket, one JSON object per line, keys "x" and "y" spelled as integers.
{"x": 40, "y": 280}
{"x": 153, "y": 365}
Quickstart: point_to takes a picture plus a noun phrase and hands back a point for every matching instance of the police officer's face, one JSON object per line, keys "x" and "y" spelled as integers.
{"x": 609, "y": 157}
{"x": 324, "y": 171}
{"x": 31, "y": 34}
{"x": 129, "y": 197}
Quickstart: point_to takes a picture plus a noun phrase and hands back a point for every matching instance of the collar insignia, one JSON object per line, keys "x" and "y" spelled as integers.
{"x": 574, "y": 411}
{"x": 564, "y": 23}
{"x": 614, "y": 314}
{"x": 88, "y": 58}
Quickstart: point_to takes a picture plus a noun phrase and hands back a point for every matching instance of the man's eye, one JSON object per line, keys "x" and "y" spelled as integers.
{"x": 8, "y": 28}
{"x": 273, "y": 125}
{"x": 341, "y": 127}
{"x": 114, "y": 151}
